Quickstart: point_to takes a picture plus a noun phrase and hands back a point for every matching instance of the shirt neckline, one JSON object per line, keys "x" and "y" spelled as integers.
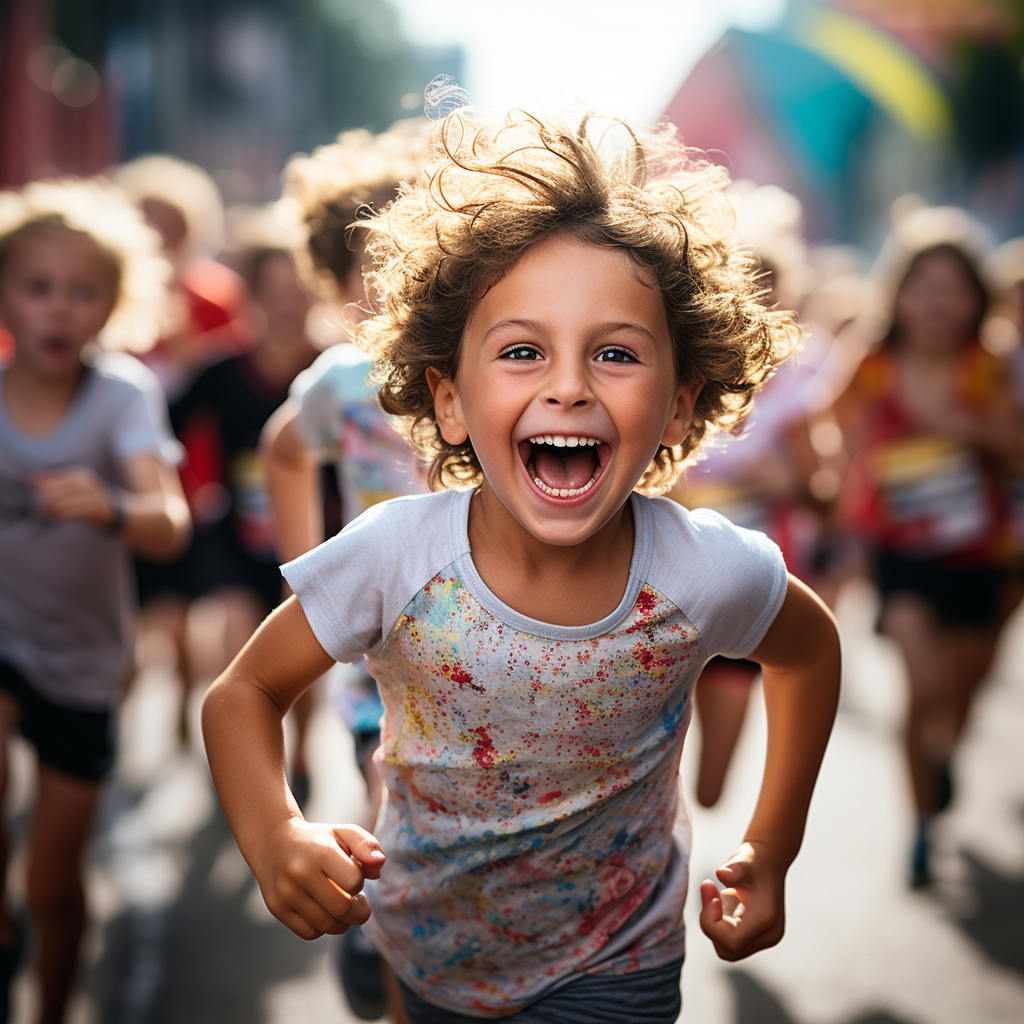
{"x": 68, "y": 424}
{"x": 639, "y": 566}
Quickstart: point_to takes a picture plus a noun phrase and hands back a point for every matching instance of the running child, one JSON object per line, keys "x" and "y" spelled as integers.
{"x": 932, "y": 426}
{"x": 87, "y": 477}
{"x": 560, "y": 324}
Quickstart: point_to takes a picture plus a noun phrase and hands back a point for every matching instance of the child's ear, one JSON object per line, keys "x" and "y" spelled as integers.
{"x": 447, "y": 407}
{"x": 681, "y": 414}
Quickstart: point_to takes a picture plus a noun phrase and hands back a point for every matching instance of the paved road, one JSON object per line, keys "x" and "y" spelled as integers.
{"x": 182, "y": 937}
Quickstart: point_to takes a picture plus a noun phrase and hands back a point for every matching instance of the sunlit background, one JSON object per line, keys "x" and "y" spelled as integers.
{"x": 849, "y": 105}
{"x": 846, "y": 103}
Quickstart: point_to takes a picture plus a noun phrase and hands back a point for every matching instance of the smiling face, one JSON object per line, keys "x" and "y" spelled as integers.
{"x": 57, "y": 288}
{"x": 566, "y": 386}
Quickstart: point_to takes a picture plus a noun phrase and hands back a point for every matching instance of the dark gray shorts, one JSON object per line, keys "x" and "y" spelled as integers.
{"x": 641, "y": 997}
{"x": 77, "y": 741}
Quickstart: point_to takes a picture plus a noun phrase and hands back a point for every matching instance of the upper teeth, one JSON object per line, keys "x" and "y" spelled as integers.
{"x": 562, "y": 440}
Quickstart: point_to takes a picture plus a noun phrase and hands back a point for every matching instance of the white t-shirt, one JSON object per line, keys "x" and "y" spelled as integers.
{"x": 67, "y": 595}
{"x": 530, "y": 818}
{"x": 341, "y": 421}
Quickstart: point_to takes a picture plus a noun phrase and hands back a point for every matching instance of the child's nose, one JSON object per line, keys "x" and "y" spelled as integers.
{"x": 568, "y": 384}
{"x": 59, "y": 300}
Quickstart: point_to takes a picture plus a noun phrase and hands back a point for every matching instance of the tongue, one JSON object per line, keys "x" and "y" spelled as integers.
{"x": 572, "y": 469}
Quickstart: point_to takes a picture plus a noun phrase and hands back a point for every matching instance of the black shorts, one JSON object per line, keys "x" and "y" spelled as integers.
{"x": 961, "y": 595}
{"x": 214, "y": 561}
{"x": 720, "y": 661}
{"x": 78, "y": 741}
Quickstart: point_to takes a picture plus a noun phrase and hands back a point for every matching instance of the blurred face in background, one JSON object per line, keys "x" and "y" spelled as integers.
{"x": 280, "y": 296}
{"x": 939, "y": 302}
{"x": 57, "y": 289}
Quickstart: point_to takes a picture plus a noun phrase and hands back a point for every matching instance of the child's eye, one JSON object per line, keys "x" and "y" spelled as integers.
{"x": 520, "y": 353}
{"x": 615, "y": 355}
{"x": 36, "y": 287}
{"x": 83, "y": 293}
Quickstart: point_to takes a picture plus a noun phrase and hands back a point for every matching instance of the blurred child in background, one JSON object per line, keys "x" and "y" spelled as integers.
{"x": 332, "y": 417}
{"x": 86, "y": 477}
{"x": 183, "y": 204}
{"x": 203, "y": 323}
{"x": 930, "y": 423}
{"x": 1003, "y": 335}
{"x": 233, "y": 556}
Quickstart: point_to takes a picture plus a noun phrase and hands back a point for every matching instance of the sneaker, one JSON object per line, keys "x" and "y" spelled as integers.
{"x": 362, "y": 977}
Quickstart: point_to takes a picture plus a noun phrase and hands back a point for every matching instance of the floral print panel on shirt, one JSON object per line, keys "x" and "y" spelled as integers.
{"x": 532, "y": 789}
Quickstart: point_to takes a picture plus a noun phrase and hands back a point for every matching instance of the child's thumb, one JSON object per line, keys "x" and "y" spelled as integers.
{"x": 363, "y": 847}
{"x": 732, "y": 873}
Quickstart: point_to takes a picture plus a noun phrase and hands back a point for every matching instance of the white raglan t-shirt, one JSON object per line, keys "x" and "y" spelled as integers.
{"x": 532, "y": 820}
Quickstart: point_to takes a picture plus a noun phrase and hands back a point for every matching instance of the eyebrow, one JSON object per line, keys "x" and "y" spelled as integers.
{"x": 536, "y": 326}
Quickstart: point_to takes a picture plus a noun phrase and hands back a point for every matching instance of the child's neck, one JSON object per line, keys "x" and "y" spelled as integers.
{"x": 930, "y": 347}
{"x": 562, "y": 585}
{"x": 37, "y": 404}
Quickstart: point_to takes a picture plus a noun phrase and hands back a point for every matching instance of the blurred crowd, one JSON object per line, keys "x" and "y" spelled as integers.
{"x": 890, "y": 448}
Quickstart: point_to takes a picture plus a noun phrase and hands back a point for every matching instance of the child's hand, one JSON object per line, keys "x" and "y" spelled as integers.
{"x": 75, "y": 493}
{"x": 749, "y": 914}
{"x": 311, "y": 876}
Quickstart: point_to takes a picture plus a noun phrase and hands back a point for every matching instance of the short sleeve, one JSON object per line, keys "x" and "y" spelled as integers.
{"x": 337, "y": 378}
{"x": 353, "y": 587}
{"x": 141, "y": 423}
{"x": 730, "y": 582}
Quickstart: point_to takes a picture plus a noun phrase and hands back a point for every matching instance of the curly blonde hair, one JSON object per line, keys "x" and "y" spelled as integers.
{"x": 96, "y": 208}
{"x": 331, "y": 187}
{"x": 491, "y": 191}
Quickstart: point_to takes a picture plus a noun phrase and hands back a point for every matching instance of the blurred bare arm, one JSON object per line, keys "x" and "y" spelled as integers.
{"x": 293, "y": 483}
{"x": 151, "y": 514}
{"x": 310, "y": 874}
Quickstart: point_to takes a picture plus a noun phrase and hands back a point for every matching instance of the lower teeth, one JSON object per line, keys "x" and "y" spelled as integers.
{"x": 563, "y": 492}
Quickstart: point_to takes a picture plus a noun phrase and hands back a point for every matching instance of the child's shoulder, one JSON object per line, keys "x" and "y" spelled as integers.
{"x": 366, "y": 574}
{"x": 406, "y": 529}
{"x": 703, "y": 542}
{"x": 410, "y": 524}
{"x": 343, "y": 368}
{"x": 120, "y": 371}
{"x": 727, "y": 580}
{"x": 702, "y": 524}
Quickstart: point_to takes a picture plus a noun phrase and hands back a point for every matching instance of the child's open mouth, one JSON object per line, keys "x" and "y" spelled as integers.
{"x": 563, "y": 465}
{"x": 55, "y": 344}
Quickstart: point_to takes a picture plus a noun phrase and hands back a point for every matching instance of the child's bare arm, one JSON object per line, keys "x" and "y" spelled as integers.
{"x": 800, "y": 660}
{"x": 310, "y": 874}
{"x": 292, "y": 483}
{"x": 151, "y": 514}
